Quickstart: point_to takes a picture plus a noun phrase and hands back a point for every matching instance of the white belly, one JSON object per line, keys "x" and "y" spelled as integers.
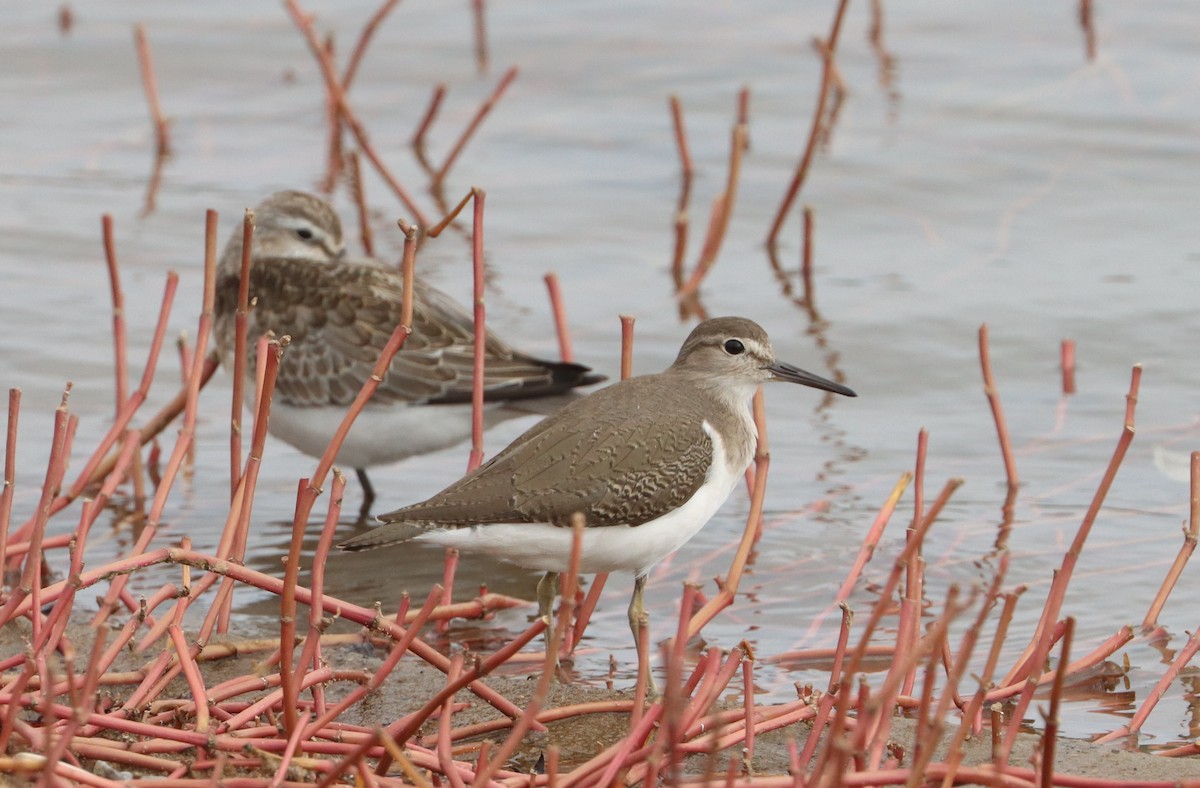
{"x": 612, "y": 548}
{"x": 381, "y": 434}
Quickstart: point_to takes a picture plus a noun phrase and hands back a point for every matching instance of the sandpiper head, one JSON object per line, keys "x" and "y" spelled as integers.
{"x": 729, "y": 351}
{"x": 292, "y": 225}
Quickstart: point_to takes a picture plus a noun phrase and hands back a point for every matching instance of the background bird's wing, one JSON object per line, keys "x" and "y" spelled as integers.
{"x": 340, "y": 316}
{"x": 606, "y": 456}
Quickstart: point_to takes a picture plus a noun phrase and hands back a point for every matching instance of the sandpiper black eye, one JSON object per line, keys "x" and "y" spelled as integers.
{"x": 734, "y": 348}
{"x": 305, "y": 233}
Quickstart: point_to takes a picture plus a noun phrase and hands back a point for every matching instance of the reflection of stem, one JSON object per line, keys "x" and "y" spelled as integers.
{"x": 1087, "y": 22}
{"x": 152, "y": 184}
{"x": 722, "y": 211}
{"x": 480, "y": 27}
{"x": 887, "y": 61}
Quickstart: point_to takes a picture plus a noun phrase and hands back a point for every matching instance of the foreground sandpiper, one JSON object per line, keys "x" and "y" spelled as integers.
{"x": 647, "y": 461}
{"x": 339, "y": 312}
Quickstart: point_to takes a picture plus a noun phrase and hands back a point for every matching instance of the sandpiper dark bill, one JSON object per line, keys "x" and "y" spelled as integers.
{"x": 339, "y": 312}
{"x": 647, "y": 461}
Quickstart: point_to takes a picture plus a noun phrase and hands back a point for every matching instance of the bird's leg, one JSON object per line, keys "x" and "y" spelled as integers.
{"x": 364, "y": 514}
{"x": 546, "y": 591}
{"x": 637, "y": 619}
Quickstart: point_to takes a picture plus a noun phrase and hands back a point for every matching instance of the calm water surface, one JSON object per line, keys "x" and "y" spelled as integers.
{"x": 997, "y": 178}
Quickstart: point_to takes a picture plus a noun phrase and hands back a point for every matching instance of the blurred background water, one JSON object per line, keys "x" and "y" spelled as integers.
{"x": 981, "y": 169}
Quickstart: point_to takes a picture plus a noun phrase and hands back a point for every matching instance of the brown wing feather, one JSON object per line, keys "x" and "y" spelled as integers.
{"x": 625, "y": 470}
{"x": 341, "y": 314}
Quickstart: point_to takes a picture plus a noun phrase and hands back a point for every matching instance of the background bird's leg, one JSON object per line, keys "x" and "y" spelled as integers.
{"x": 637, "y": 620}
{"x": 364, "y": 513}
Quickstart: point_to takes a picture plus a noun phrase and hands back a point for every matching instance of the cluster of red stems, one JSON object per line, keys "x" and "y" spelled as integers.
{"x": 59, "y": 712}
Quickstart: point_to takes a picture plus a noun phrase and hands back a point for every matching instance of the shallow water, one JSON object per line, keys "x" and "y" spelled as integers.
{"x": 1000, "y": 178}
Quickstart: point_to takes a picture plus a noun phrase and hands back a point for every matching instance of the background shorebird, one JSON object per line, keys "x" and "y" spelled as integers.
{"x": 647, "y": 461}
{"x": 339, "y": 312}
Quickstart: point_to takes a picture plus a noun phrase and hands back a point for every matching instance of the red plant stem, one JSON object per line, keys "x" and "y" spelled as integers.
{"x": 360, "y": 202}
{"x": 399, "y": 648}
{"x": 10, "y": 473}
{"x": 241, "y": 328}
{"x": 187, "y": 433}
{"x": 334, "y": 159}
{"x": 435, "y": 103}
{"x": 743, "y": 113}
{"x": 721, "y": 213}
{"x": 120, "y": 358}
{"x": 814, "y": 132}
{"x": 445, "y": 760}
{"x": 560, "y": 317}
{"x": 681, "y": 142}
{"x": 191, "y": 672}
{"x": 95, "y": 470}
{"x": 748, "y": 700}
{"x": 728, "y": 592}
{"x": 149, "y": 431}
{"x": 449, "y": 567}
{"x": 287, "y": 607}
{"x": 910, "y": 606}
{"x": 185, "y": 363}
{"x": 274, "y": 585}
{"x": 1058, "y": 586}
{"x": 480, "y": 348}
{"x": 1068, "y": 366}
{"x": 871, "y": 541}
{"x": 547, "y": 715}
{"x": 1190, "y": 534}
{"x": 1160, "y": 689}
{"x": 408, "y": 271}
{"x": 364, "y": 39}
{"x": 586, "y": 609}
{"x": 673, "y": 699}
{"x": 150, "y": 83}
{"x": 403, "y": 729}
{"x": 1050, "y": 734}
{"x": 333, "y": 85}
{"x": 394, "y": 343}
{"x": 236, "y": 532}
{"x": 471, "y": 128}
{"x": 627, "y": 346}
{"x": 963, "y": 657}
{"x": 31, "y": 577}
{"x": 288, "y": 753}
{"x": 993, "y": 397}
{"x": 311, "y": 653}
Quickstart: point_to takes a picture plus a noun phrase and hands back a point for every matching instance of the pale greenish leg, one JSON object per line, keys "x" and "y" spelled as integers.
{"x": 638, "y": 619}
{"x": 547, "y": 589}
